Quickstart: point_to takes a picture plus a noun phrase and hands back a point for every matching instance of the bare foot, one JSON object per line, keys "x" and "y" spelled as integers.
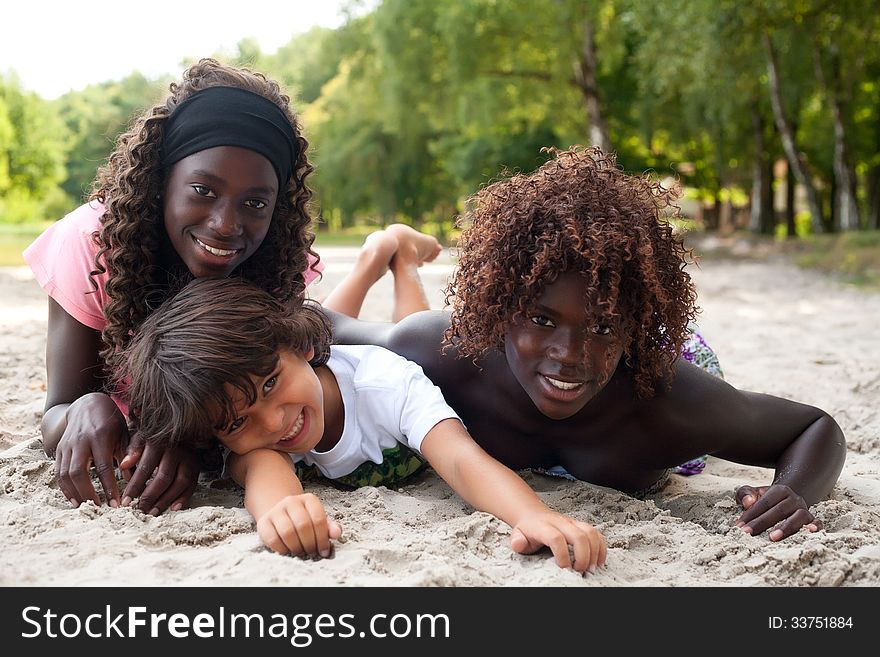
{"x": 415, "y": 247}
{"x": 376, "y": 253}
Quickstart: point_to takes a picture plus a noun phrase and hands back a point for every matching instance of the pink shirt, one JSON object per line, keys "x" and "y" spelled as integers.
{"x": 64, "y": 254}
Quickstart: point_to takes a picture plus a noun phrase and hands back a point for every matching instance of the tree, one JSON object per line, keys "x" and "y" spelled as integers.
{"x": 32, "y": 150}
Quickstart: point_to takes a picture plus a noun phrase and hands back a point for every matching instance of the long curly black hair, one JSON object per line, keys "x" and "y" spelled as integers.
{"x": 576, "y": 213}
{"x": 130, "y": 185}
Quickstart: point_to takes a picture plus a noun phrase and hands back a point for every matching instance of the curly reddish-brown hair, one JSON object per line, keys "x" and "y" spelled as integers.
{"x": 130, "y": 186}
{"x": 579, "y": 213}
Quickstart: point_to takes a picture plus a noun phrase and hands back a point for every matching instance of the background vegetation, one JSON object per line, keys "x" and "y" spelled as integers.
{"x": 766, "y": 112}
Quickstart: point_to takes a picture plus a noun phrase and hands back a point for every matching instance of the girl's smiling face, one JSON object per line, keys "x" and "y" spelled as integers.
{"x": 560, "y": 361}
{"x": 218, "y": 205}
{"x": 288, "y": 414}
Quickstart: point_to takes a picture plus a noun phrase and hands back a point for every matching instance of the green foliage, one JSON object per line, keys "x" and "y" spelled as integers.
{"x": 32, "y": 150}
{"x": 95, "y": 117}
{"x": 855, "y": 256}
{"x": 416, "y": 104}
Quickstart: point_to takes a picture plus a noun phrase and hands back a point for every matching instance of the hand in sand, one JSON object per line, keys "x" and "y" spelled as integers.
{"x": 94, "y": 436}
{"x": 298, "y": 525}
{"x": 159, "y": 478}
{"x": 776, "y": 506}
{"x": 558, "y": 532}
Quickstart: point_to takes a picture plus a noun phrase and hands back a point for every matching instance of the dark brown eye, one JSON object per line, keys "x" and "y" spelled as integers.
{"x": 541, "y": 320}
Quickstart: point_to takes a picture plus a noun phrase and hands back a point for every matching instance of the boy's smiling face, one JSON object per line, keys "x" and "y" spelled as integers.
{"x": 560, "y": 361}
{"x": 288, "y": 414}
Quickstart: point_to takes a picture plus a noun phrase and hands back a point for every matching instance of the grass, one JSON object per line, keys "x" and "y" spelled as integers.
{"x": 852, "y": 257}
{"x": 15, "y": 238}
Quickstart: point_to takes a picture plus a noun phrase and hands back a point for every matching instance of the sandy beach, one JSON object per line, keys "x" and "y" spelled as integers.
{"x": 777, "y": 329}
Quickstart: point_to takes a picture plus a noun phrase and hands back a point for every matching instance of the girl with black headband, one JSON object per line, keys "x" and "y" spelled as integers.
{"x": 209, "y": 183}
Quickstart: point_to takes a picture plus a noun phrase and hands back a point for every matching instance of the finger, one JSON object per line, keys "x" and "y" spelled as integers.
{"x": 791, "y": 525}
{"x": 119, "y": 457}
{"x": 586, "y": 542}
{"x": 80, "y": 475}
{"x": 179, "y": 492}
{"x": 318, "y": 517}
{"x": 143, "y": 470}
{"x": 334, "y": 528}
{"x": 132, "y": 453}
{"x": 746, "y": 496}
{"x": 183, "y": 499}
{"x": 149, "y": 501}
{"x": 558, "y": 544}
{"x": 765, "y": 502}
{"x": 270, "y": 536}
{"x": 548, "y": 535}
{"x": 62, "y": 476}
{"x": 519, "y": 543}
{"x": 286, "y": 529}
{"x": 775, "y": 515}
{"x": 305, "y": 530}
{"x": 107, "y": 476}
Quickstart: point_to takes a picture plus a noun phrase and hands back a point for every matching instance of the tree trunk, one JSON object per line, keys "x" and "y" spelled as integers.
{"x": 845, "y": 215}
{"x": 872, "y": 183}
{"x": 761, "y": 220}
{"x": 790, "y": 180}
{"x": 796, "y": 161}
{"x": 874, "y": 197}
{"x": 587, "y": 82}
{"x": 712, "y": 214}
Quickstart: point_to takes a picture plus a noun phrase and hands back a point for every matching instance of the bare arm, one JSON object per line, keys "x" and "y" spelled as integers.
{"x": 81, "y": 426}
{"x": 267, "y": 476}
{"x": 489, "y": 486}
{"x": 288, "y": 520}
{"x": 73, "y": 370}
{"x": 803, "y": 443}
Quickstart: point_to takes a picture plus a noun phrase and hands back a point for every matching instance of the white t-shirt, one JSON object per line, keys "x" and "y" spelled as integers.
{"x": 387, "y": 400}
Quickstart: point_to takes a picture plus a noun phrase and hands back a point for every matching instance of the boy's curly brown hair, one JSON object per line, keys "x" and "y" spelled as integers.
{"x": 130, "y": 186}
{"x": 578, "y": 212}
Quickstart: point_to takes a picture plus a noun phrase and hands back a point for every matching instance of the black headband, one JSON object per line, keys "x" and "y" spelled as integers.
{"x": 229, "y": 116}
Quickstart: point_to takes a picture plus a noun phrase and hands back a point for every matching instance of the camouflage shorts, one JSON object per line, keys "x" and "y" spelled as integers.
{"x": 398, "y": 463}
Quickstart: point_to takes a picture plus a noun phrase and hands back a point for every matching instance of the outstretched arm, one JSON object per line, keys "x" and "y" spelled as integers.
{"x": 803, "y": 443}
{"x": 806, "y": 471}
{"x": 489, "y": 486}
{"x": 288, "y": 519}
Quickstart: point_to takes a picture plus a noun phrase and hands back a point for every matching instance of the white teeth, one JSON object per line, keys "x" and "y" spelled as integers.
{"x": 297, "y": 426}
{"x": 216, "y": 252}
{"x": 562, "y": 385}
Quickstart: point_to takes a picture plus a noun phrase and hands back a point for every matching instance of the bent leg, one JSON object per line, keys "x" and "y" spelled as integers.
{"x": 402, "y": 250}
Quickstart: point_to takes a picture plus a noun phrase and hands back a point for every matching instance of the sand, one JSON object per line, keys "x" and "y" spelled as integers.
{"x": 777, "y": 329}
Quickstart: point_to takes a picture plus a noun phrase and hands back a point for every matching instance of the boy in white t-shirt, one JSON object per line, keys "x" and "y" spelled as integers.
{"x": 223, "y": 359}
